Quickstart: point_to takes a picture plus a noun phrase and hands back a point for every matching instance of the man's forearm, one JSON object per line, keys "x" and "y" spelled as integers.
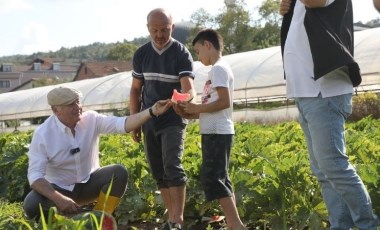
{"x": 136, "y": 120}
{"x": 43, "y": 187}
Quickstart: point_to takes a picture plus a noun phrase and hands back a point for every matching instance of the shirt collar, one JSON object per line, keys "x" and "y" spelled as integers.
{"x": 60, "y": 125}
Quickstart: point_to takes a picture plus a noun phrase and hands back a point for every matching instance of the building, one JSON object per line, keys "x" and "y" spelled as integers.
{"x": 13, "y": 76}
{"x": 95, "y": 69}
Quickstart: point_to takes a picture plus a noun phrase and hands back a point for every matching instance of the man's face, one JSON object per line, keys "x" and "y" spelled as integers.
{"x": 69, "y": 114}
{"x": 160, "y": 32}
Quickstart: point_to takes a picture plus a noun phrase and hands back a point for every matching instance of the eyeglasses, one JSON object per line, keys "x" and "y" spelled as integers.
{"x": 74, "y": 151}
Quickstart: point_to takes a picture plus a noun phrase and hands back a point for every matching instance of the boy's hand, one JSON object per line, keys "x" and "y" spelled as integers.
{"x": 189, "y": 107}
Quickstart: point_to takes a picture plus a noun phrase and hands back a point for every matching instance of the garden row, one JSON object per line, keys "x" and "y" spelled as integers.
{"x": 269, "y": 168}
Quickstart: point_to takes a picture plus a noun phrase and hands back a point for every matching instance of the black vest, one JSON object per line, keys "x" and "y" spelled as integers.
{"x": 331, "y": 38}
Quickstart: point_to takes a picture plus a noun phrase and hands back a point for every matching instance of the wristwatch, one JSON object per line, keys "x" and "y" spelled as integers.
{"x": 151, "y": 112}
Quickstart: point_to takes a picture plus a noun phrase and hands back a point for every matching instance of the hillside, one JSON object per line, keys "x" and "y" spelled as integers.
{"x": 95, "y": 51}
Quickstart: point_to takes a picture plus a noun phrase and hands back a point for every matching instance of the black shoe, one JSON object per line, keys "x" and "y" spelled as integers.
{"x": 175, "y": 226}
{"x": 166, "y": 226}
{"x": 171, "y": 226}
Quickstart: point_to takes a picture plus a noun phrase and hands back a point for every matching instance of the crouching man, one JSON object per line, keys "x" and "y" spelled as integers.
{"x": 64, "y": 168}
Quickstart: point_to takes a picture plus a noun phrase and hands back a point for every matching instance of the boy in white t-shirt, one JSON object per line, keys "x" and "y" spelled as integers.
{"x": 216, "y": 125}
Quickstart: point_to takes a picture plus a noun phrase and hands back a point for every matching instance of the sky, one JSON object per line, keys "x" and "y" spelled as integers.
{"x": 29, "y": 26}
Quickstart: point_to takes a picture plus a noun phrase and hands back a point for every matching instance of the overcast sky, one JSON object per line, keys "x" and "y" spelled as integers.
{"x": 29, "y": 26}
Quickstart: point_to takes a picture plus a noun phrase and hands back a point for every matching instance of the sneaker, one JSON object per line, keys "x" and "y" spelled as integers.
{"x": 171, "y": 226}
{"x": 166, "y": 226}
{"x": 175, "y": 226}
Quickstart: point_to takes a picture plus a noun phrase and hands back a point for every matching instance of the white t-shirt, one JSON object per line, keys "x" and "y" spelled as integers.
{"x": 298, "y": 64}
{"x": 219, "y": 122}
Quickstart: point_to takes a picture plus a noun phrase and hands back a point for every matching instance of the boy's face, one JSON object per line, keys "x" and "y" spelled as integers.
{"x": 202, "y": 52}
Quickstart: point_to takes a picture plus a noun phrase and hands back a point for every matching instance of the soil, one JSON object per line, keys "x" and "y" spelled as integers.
{"x": 158, "y": 226}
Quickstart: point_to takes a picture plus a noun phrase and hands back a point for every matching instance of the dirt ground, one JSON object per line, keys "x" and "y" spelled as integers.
{"x": 157, "y": 226}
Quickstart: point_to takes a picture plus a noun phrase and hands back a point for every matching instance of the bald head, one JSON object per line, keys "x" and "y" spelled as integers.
{"x": 159, "y": 14}
{"x": 160, "y": 26}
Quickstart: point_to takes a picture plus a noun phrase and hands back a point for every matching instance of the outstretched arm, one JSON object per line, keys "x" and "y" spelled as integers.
{"x": 134, "y": 121}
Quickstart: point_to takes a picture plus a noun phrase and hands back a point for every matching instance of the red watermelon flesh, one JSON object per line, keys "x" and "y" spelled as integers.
{"x": 109, "y": 222}
{"x": 177, "y": 96}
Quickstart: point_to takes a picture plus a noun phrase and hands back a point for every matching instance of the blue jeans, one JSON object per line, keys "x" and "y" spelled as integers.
{"x": 346, "y": 198}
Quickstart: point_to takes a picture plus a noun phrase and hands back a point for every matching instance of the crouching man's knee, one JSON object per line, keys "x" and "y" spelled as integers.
{"x": 32, "y": 204}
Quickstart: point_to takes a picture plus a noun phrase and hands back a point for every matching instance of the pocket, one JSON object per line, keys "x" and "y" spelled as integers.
{"x": 343, "y": 104}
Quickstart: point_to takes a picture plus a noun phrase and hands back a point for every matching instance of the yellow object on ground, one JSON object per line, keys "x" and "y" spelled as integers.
{"x": 107, "y": 204}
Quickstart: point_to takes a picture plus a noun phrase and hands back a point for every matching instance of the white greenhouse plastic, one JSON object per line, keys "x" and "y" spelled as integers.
{"x": 258, "y": 75}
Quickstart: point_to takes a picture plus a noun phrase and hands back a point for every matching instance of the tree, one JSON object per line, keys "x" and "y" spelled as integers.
{"x": 122, "y": 52}
{"x": 234, "y": 27}
{"x": 239, "y": 30}
{"x": 202, "y": 19}
{"x": 267, "y": 29}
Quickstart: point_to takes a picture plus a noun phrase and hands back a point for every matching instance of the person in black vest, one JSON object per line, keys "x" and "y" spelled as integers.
{"x": 320, "y": 71}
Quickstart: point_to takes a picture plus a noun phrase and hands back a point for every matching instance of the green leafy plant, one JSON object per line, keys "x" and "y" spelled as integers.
{"x": 13, "y": 165}
{"x": 269, "y": 168}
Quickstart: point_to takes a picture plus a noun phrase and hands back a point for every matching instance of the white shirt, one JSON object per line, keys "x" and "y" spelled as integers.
{"x": 219, "y": 122}
{"x": 298, "y": 64}
{"x": 49, "y": 152}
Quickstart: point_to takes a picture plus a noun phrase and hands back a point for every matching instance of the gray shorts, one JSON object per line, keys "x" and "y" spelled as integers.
{"x": 164, "y": 150}
{"x": 216, "y": 149}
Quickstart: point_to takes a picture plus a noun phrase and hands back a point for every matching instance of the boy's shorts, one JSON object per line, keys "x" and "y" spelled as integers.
{"x": 216, "y": 149}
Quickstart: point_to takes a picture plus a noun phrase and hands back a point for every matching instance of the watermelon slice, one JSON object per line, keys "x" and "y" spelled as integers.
{"x": 109, "y": 222}
{"x": 212, "y": 219}
{"x": 177, "y": 96}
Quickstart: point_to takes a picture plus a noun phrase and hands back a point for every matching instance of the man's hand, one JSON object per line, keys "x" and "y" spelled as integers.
{"x": 285, "y": 6}
{"x": 136, "y": 135}
{"x": 66, "y": 205}
{"x": 161, "y": 107}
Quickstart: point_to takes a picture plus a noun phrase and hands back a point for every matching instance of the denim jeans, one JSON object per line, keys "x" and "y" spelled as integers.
{"x": 343, "y": 191}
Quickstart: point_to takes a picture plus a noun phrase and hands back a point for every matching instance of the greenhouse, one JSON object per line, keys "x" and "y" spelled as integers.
{"x": 258, "y": 77}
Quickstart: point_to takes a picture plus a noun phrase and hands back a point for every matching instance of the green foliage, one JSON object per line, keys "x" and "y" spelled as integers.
{"x": 122, "y": 52}
{"x": 365, "y": 104}
{"x": 269, "y": 168}
{"x": 266, "y": 32}
{"x": 240, "y": 31}
{"x": 141, "y": 200}
{"x": 363, "y": 137}
{"x": 13, "y": 165}
{"x": 233, "y": 25}
{"x": 12, "y": 216}
{"x": 272, "y": 177}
